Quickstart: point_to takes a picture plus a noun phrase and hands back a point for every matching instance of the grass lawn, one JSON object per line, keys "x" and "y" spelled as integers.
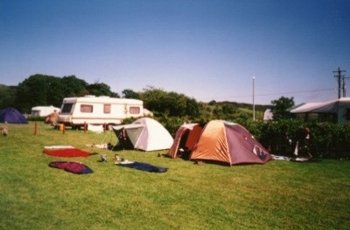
{"x": 277, "y": 195}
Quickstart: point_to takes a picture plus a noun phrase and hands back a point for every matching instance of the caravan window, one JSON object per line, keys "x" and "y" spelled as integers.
{"x": 86, "y": 108}
{"x": 67, "y": 108}
{"x": 107, "y": 108}
{"x": 134, "y": 110}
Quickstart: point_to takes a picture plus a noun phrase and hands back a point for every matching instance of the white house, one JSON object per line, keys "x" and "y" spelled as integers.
{"x": 337, "y": 110}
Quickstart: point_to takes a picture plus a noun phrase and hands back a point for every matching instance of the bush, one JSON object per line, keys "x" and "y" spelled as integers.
{"x": 328, "y": 140}
{"x": 171, "y": 123}
{"x": 331, "y": 140}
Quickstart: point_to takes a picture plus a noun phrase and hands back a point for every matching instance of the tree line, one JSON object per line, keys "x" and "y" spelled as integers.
{"x": 40, "y": 89}
{"x": 43, "y": 90}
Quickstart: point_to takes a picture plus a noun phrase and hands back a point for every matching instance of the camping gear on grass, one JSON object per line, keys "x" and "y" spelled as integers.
{"x": 4, "y": 130}
{"x": 12, "y": 115}
{"x": 103, "y": 158}
{"x": 142, "y": 166}
{"x": 65, "y": 151}
{"x": 73, "y": 167}
{"x": 144, "y": 134}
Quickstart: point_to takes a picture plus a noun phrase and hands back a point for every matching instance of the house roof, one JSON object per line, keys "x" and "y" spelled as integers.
{"x": 322, "y": 107}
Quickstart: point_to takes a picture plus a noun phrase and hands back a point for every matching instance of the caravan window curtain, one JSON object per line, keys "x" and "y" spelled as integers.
{"x": 86, "y": 108}
{"x": 134, "y": 110}
{"x": 107, "y": 108}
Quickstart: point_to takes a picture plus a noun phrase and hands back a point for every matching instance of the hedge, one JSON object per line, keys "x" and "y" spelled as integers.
{"x": 327, "y": 140}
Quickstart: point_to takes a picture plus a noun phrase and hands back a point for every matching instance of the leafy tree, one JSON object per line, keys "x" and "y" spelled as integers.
{"x": 175, "y": 104}
{"x": 114, "y": 94}
{"x": 281, "y": 106}
{"x": 99, "y": 89}
{"x": 129, "y": 93}
{"x": 33, "y": 91}
{"x": 169, "y": 103}
{"x": 226, "y": 111}
{"x": 7, "y": 96}
{"x": 212, "y": 102}
{"x": 55, "y": 91}
{"x": 42, "y": 89}
{"x": 74, "y": 87}
{"x": 152, "y": 99}
{"x": 192, "y": 107}
{"x": 228, "y": 108}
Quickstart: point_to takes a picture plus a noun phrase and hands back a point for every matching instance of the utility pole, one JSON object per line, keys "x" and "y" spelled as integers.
{"x": 341, "y": 82}
{"x": 253, "y": 98}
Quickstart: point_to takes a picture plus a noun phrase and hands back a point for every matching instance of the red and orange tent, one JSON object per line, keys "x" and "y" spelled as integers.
{"x": 186, "y": 138}
{"x": 222, "y": 141}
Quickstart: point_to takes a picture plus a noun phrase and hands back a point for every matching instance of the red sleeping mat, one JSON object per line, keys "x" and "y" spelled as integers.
{"x": 68, "y": 152}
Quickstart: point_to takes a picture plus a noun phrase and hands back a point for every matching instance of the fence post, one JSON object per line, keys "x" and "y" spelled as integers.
{"x": 35, "y": 128}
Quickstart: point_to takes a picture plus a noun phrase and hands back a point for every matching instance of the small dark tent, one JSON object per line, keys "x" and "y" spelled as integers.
{"x": 12, "y": 115}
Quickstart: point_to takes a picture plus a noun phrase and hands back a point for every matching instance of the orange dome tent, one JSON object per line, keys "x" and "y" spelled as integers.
{"x": 229, "y": 143}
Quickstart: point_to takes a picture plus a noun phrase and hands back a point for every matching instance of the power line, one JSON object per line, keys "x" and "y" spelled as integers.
{"x": 298, "y": 92}
{"x": 280, "y": 93}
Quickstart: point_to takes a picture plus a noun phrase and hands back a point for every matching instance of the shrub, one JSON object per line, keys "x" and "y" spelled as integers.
{"x": 328, "y": 140}
{"x": 331, "y": 140}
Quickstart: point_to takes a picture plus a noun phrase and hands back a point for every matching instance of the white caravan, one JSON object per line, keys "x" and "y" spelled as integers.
{"x": 43, "y": 111}
{"x": 77, "y": 111}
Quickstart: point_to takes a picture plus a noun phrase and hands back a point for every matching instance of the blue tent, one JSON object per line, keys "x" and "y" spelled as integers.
{"x": 11, "y": 115}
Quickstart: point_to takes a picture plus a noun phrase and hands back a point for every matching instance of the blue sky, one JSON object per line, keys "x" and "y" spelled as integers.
{"x": 208, "y": 50}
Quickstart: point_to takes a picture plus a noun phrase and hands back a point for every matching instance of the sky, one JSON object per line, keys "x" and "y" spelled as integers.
{"x": 223, "y": 50}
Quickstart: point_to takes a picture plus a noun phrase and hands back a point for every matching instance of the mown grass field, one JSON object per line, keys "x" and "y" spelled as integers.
{"x": 277, "y": 195}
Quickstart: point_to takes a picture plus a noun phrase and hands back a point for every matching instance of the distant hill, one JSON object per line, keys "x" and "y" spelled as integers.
{"x": 228, "y": 110}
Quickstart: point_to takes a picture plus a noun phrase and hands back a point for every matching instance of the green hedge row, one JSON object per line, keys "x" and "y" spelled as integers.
{"x": 327, "y": 140}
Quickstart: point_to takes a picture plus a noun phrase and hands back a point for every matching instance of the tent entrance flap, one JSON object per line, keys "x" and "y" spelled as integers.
{"x": 123, "y": 140}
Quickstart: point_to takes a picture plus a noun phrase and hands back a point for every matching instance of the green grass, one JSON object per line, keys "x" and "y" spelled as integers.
{"x": 277, "y": 195}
